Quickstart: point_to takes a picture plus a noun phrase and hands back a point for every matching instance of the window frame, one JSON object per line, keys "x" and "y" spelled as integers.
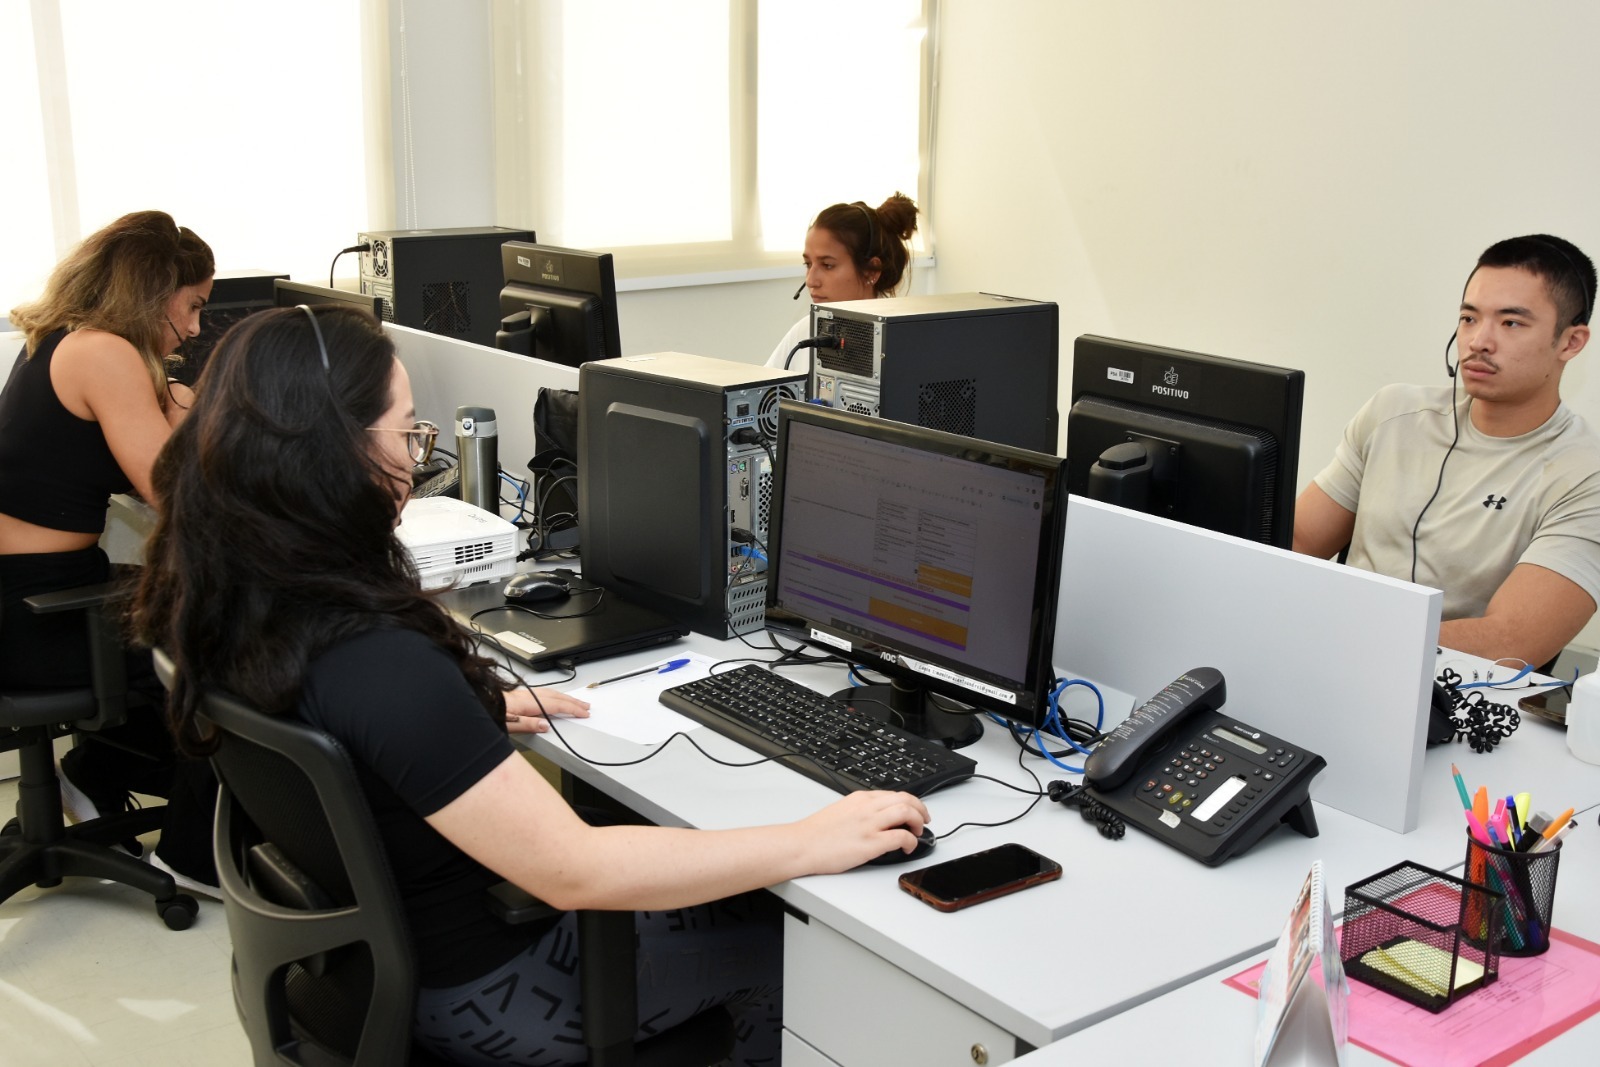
{"x": 519, "y": 183}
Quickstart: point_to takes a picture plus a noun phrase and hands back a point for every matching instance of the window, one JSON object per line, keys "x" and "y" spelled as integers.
{"x": 702, "y": 136}
{"x": 245, "y": 123}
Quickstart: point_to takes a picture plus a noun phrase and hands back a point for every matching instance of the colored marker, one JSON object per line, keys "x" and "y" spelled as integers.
{"x": 1558, "y": 824}
{"x": 1497, "y": 826}
{"x": 1480, "y": 803}
{"x": 1479, "y": 830}
{"x": 670, "y": 665}
{"x": 1550, "y": 842}
{"x": 1524, "y": 804}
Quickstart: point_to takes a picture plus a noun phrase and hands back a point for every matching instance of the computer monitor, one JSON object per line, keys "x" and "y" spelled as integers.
{"x": 558, "y": 304}
{"x": 923, "y": 555}
{"x": 287, "y": 294}
{"x": 1199, "y": 439}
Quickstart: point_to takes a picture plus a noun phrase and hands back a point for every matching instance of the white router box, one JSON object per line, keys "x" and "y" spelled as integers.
{"x": 452, "y": 542}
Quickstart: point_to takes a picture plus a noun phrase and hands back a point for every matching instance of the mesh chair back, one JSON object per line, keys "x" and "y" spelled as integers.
{"x": 294, "y": 786}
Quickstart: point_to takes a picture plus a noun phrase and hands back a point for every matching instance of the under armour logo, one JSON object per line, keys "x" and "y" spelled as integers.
{"x": 1496, "y": 502}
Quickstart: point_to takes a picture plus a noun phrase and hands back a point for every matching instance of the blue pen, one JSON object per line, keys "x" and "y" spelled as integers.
{"x": 1515, "y": 831}
{"x": 670, "y": 665}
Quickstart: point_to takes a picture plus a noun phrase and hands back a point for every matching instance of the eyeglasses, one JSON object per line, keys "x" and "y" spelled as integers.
{"x": 420, "y": 437}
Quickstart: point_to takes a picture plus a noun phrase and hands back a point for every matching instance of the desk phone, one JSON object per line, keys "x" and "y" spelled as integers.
{"x": 1203, "y": 782}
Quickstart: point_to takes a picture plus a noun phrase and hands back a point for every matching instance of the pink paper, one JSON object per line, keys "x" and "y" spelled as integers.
{"x": 1535, "y": 999}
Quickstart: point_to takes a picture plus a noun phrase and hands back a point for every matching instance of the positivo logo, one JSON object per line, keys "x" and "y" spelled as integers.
{"x": 1169, "y": 386}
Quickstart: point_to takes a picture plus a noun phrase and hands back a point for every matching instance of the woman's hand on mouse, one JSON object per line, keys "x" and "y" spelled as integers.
{"x": 524, "y": 717}
{"x": 862, "y": 826}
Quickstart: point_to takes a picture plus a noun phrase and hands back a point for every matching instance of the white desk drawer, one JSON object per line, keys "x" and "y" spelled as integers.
{"x": 854, "y": 1008}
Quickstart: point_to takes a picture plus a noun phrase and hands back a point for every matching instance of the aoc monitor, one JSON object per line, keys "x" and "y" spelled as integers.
{"x": 925, "y": 556}
{"x": 558, "y": 304}
{"x": 1198, "y": 439}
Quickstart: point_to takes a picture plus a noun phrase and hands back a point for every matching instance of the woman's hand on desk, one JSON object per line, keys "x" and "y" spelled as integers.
{"x": 524, "y": 717}
{"x": 860, "y": 827}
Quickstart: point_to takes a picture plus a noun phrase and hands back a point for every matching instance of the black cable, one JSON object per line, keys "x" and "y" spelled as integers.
{"x": 1455, "y": 419}
{"x": 1038, "y": 794}
{"x": 364, "y": 246}
{"x": 834, "y": 343}
{"x": 600, "y": 597}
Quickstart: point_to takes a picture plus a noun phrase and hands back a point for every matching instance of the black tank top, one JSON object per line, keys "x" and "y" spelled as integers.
{"x": 56, "y": 469}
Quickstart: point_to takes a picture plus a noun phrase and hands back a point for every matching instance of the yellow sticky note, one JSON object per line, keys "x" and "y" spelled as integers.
{"x": 1412, "y": 962}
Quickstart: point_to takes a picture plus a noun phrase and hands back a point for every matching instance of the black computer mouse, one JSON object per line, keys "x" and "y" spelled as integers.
{"x": 535, "y": 587}
{"x": 925, "y": 843}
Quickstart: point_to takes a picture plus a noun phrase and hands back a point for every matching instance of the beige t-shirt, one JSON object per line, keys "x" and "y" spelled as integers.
{"x": 1503, "y": 500}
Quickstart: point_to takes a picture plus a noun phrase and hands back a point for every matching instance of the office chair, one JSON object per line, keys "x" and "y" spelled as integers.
{"x": 323, "y": 967}
{"x": 38, "y": 847}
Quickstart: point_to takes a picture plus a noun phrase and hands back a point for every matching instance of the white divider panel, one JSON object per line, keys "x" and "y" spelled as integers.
{"x": 447, "y": 374}
{"x": 1331, "y": 657}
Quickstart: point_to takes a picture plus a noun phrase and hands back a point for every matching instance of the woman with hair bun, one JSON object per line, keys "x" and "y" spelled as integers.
{"x": 83, "y": 414}
{"x": 852, "y": 252}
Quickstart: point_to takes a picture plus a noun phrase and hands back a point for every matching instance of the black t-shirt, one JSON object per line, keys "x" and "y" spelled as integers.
{"x": 420, "y": 739}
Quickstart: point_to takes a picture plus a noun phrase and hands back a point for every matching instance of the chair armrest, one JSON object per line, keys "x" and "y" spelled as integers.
{"x": 107, "y": 667}
{"x": 80, "y": 599}
{"x": 513, "y": 905}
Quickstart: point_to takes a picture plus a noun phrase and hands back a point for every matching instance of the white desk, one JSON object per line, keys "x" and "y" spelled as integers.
{"x": 874, "y": 976}
{"x": 1227, "y": 1017}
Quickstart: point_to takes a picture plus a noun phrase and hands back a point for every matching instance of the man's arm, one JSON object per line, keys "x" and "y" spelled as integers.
{"x": 1531, "y": 617}
{"x": 1322, "y": 527}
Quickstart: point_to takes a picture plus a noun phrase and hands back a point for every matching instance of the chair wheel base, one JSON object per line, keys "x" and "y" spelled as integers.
{"x": 179, "y": 912}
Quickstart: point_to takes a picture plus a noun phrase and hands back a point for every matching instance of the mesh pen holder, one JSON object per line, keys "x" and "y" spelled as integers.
{"x": 1528, "y": 882}
{"x": 1421, "y": 935}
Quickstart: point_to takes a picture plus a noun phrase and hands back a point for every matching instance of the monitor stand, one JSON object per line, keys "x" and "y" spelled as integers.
{"x": 915, "y": 709}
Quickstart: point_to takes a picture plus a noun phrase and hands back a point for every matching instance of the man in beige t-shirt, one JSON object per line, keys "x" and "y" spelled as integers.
{"x": 1492, "y": 496}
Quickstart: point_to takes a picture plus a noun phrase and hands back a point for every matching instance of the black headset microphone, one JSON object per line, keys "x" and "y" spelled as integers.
{"x": 798, "y": 291}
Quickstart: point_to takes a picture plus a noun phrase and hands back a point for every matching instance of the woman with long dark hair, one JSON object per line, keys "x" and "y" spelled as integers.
{"x": 85, "y": 410}
{"x": 274, "y": 573}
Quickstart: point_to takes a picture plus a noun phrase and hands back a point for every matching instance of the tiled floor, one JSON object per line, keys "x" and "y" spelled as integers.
{"x": 90, "y": 975}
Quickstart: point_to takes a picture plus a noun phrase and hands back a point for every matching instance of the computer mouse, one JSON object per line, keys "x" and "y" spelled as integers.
{"x": 535, "y": 587}
{"x": 925, "y": 843}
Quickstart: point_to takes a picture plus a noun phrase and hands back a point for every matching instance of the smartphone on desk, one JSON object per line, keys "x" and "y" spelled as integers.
{"x": 1549, "y": 705}
{"x": 968, "y": 880}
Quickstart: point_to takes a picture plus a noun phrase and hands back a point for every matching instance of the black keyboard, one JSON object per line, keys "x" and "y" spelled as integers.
{"x": 779, "y": 717}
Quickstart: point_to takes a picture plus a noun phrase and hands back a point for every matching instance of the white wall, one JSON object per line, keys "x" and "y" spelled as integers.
{"x": 1299, "y": 183}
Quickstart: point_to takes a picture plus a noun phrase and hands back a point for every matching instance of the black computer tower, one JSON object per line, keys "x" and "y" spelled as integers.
{"x": 975, "y": 364}
{"x": 443, "y": 281}
{"x": 674, "y": 454}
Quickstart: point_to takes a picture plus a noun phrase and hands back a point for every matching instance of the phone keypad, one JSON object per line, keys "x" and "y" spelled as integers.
{"x": 1179, "y": 784}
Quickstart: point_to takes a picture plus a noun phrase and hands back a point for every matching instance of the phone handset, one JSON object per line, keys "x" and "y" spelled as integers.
{"x": 1125, "y": 749}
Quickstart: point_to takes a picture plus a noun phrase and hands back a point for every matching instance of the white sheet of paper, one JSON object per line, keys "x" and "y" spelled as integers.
{"x": 629, "y": 709}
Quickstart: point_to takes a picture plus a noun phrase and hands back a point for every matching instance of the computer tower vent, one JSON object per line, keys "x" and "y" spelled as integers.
{"x": 951, "y": 406}
{"x": 446, "y": 307}
{"x": 856, "y": 355}
{"x": 747, "y": 606}
{"x": 380, "y": 258}
{"x": 763, "y": 504}
{"x": 767, "y": 414}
